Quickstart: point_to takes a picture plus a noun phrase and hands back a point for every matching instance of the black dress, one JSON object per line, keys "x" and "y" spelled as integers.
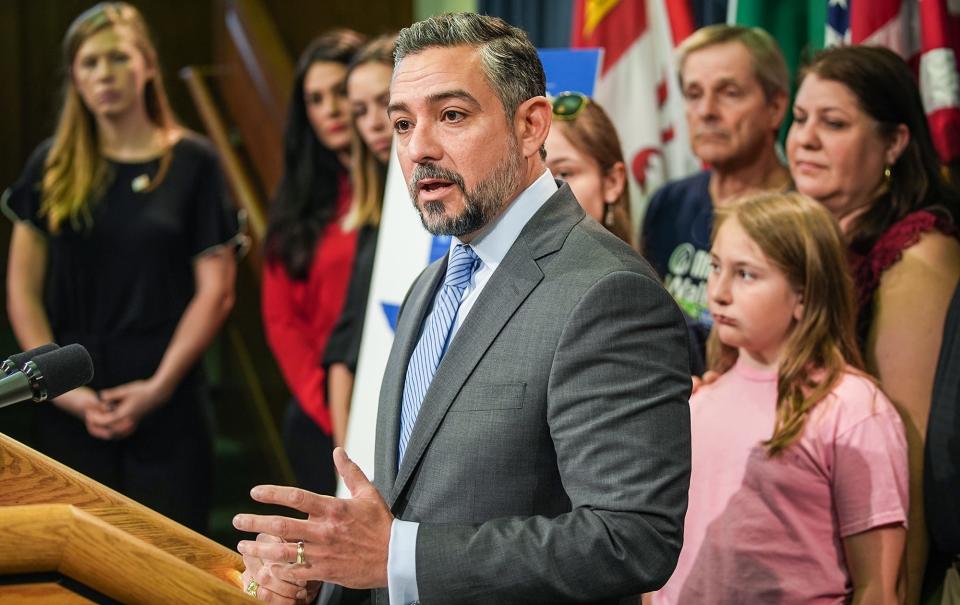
{"x": 344, "y": 344}
{"x": 119, "y": 288}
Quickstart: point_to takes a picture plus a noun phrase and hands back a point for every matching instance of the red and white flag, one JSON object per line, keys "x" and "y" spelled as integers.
{"x": 939, "y": 74}
{"x": 638, "y": 85}
{"x": 926, "y": 33}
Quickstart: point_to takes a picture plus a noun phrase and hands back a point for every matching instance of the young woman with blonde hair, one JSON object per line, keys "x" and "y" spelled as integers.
{"x": 368, "y": 92}
{"x": 122, "y": 241}
{"x": 798, "y": 489}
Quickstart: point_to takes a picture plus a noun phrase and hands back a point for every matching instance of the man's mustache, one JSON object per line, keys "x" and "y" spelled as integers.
{"x": 432, "y": 171}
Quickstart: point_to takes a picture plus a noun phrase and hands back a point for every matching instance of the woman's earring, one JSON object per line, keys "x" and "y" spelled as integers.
{"x": 608, "y": 218}
{"x": 887, "y": 175}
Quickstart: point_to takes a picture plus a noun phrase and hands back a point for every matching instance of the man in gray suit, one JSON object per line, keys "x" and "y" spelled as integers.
{"x": 533, "y": 433}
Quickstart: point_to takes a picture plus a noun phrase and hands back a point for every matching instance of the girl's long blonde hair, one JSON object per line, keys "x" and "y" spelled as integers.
{"x": 75, "y": 171}
{"x": 802, "y": 239}
{"x": 368, "y": 174}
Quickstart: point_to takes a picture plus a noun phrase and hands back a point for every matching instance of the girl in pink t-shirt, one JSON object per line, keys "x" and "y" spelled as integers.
{"x": 798, "y": 490}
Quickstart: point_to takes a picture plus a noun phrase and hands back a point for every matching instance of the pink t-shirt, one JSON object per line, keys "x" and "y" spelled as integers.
{"x": 769, "y": 530}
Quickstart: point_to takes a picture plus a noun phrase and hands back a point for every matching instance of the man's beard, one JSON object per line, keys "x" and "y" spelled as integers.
{"x": 481, "y": 204}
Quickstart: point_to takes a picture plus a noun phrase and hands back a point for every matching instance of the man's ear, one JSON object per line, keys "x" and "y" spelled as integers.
{"x": 778, "y": 109}
{"x": 532, "y": 123}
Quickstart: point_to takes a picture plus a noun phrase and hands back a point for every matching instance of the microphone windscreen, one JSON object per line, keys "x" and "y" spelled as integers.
{"x": 21, "y": 358}
{"x": 65, "y": 369}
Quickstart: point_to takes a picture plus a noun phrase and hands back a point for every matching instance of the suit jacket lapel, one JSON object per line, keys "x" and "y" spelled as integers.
{"x": 391, "y": 390}
{"x": 503, "y": 294}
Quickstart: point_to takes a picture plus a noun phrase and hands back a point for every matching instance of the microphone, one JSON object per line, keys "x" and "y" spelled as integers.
{"x": 47, "y": 376}
{"x": 10, "y": 365}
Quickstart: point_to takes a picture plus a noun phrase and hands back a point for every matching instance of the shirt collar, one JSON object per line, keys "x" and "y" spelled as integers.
{"x": 497, "y": 240}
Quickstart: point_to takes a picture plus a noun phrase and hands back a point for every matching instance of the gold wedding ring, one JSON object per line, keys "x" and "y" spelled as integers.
{"x": 252, "y": 587}
{"x": 301, "y": 559}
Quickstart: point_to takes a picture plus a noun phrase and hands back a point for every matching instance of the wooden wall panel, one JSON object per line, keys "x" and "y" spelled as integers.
{"x": 300, "y": 21}
{"x": 11, "y": 97}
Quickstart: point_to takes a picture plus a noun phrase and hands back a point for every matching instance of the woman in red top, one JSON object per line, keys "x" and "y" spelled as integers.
{"x": 309, "y": 254}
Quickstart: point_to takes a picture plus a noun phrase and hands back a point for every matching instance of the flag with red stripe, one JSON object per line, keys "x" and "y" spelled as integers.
{"x": 638, "y": 84}
{"x": 926, "y": 33}
{"x": 939, "y": 74}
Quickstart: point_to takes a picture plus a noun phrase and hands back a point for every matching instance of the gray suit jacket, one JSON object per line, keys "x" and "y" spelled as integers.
{"x": 550, "y": 460}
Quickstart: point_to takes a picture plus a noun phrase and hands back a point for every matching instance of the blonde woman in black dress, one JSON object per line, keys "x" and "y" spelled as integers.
{"x": 123, "y": 242}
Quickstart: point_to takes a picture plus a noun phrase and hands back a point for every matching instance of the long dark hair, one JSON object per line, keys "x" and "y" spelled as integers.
{"x": 887, "y": 91}
{"x": 306, "y": 200}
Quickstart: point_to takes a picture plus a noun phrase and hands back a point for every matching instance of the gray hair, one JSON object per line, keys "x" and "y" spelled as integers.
{"x": 510, "y": 62}
{"x": 769, "y": 66}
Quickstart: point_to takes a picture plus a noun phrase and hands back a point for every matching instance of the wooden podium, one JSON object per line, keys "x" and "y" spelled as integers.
{"x": 66, "y": 539}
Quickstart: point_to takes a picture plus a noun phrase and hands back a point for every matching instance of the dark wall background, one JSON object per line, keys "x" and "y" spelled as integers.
{"x": 298, "y": 21}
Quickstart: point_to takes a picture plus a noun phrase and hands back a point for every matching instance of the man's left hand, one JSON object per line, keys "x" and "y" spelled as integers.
{"x": 344, "y": 541}
{"x": 269, "y": 587}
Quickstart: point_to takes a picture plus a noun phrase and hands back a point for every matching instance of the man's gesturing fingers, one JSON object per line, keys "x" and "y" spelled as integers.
{"x": 293, "y": 497}
{"x": 344, "y": 541}
{"x": 353, "y": 476}
{"x": 269, "y": 552}
{"x": 269, "y": 539}
{"x": 288, "y": 528}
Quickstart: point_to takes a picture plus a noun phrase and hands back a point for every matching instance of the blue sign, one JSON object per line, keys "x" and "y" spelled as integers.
{"x": 571, "y": 69}
{"x": 439, "y": 246}
{"x": 391, "y": 311}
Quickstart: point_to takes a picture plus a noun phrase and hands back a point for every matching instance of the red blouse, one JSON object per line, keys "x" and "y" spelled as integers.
{"x": 300, "y": 315}
{"x": 869, "y": 268}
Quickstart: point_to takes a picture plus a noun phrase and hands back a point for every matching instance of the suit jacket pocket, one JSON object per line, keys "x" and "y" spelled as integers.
{"x": 486, "y": 397}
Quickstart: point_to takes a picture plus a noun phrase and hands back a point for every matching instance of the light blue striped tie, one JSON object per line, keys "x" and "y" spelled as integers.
{"x": 434, "y": 339}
